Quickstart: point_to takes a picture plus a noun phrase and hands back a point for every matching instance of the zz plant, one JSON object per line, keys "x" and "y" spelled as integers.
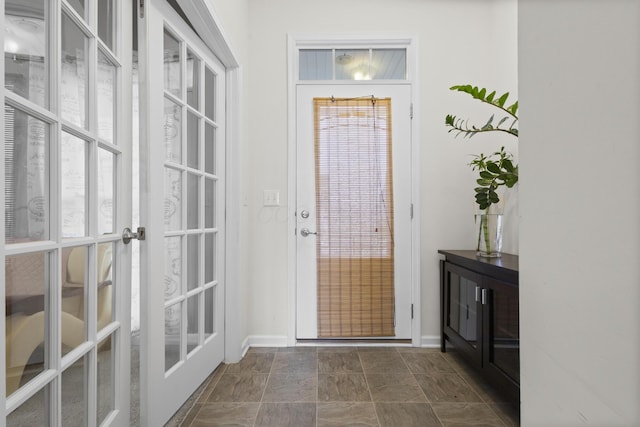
{"x": 498, "y": 168}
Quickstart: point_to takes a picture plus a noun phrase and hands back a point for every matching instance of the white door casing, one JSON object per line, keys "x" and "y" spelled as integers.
{"x": 182, "y": 261}
{"x": 306, "y": 271}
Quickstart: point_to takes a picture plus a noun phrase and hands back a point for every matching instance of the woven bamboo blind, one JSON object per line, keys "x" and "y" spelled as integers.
{"x": 354, "y": 206}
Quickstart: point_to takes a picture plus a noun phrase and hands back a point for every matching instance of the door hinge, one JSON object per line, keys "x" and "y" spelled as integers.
{"x": 411, "y": 111}
{"x": 412, "y": 311}
{"x": 141, "y": 8}
{"x": 411, "y": 211}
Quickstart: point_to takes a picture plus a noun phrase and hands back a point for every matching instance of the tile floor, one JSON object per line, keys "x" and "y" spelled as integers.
{"x": 346, "y": 386}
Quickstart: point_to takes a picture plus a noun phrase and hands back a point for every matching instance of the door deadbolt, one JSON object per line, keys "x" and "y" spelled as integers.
{"x": 304, "y": 214}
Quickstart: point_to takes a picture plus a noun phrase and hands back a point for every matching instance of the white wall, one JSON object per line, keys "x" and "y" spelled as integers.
{"x": 579, "y": 76}
{"x": 465, "y": 41}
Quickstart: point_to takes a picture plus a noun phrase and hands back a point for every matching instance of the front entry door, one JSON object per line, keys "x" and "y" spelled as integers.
{"x": 182, "y": 260}
{"x": 353, "y": 211}
{"x": 67, "y": 196}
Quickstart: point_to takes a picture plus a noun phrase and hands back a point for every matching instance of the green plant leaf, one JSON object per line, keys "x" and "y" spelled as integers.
{"x": 491, "y": 95}
{"x": 502, "y": 99}
{"x": 486, "y": 175}
{"x": 493, "y": 168}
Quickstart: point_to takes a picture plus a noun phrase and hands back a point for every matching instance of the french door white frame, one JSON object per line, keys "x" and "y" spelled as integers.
{"x": 118, "y": 328}
{"x": 207, "y": 24}
{"x": 328, "y": 41}
{"x": 204, "y": 21}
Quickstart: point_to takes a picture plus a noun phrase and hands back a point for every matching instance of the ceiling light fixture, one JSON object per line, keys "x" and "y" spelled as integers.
{"x": 344, "y": 59}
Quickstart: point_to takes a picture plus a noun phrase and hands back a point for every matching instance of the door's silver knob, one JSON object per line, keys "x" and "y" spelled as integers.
{"x": 305, "y": 232}
{"x": 127, "y": 234}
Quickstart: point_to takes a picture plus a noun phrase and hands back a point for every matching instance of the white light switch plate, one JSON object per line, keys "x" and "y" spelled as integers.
{"x": 271, "y": 198}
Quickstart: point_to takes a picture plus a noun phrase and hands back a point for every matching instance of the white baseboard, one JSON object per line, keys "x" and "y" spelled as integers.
{"x": 430, "y": 341}
{"x": 265, "y": 341}
{"x": 426, "y": 341}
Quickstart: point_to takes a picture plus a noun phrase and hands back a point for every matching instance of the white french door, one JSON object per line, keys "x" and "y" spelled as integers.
{"x": 337, "y": 264}
{"x": 182, "y": 260}
{"x": 67, "y": 166}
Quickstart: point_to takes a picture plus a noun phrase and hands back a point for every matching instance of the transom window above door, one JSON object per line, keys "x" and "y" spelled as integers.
{"x": 352, "y": 64}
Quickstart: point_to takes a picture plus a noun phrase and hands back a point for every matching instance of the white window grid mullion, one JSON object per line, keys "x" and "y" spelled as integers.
{"x": 116, "y": 369}
{"x": 91, "y": 292}
{"x": 55, "y": 207}
{"x": 201, "y": 87}
{"x": 76, "y": 131}
{"x": 111, "y": 56}
{"x": 202, "y": 102}
{"x": 30, "y": 247}
{"x": 90, "y": 387}
{"x": 370, "y": 68}
{"x": 333, "y": 64}
{"x": 200, "y": 306}
{"x": 183, "y": 319}
{"x": 117, "y": 222}
{"x": 26, "y": 106}
{"x": 86, "y": 27}
{"x": 106, "y": 331}
{"x": 184, "y": 111}
{"x": 171, "y": 97}
{"x": 91, "y": 298}
{"x": 49, "y": 245}
{"x": 76, "y": 354}
{"x": 201, "y": 245}
{"x": 92, "y": 15}
{"x": 53, "y": 331}
{"x": 183, "y": 285}
{"x": 173, "y": 301}
{"x": 210, "y": 285}
{"x": 91, "y": 99}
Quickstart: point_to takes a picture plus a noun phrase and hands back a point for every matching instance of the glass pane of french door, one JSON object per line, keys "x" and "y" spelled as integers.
{"x": 66, "y": 180}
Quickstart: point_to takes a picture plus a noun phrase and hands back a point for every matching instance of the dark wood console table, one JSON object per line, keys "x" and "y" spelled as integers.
{"x": 480, "y": 315}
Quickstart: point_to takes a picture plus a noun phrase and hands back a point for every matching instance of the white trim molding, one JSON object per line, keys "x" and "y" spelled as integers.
{"x": 430, "y": 341}
{"x": 297, "y": 41}
{"x": 265, "y": 341}
{"x": 207, "y": 24}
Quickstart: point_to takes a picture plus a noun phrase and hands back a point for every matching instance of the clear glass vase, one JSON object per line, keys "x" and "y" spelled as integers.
{"x": 489, "y": 234}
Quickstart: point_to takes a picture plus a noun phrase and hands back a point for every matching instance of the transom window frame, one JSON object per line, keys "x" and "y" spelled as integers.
{"x": 356, "y": 64}
{"x": 298, "y": 42}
